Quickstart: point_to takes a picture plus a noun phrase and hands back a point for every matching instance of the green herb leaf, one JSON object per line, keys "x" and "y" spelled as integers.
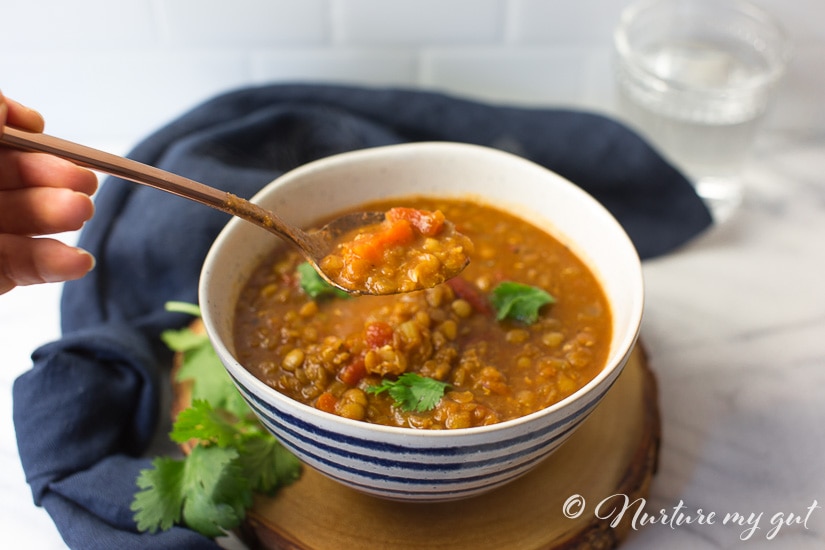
{"x": 159, "y": 503}
{"x": 183, "y": 307}
{"x": 314, "y": 285}
{"x": 211, "y": 488}
{"x": 201, "y": 364}
{"x": 206, "y": 424}
{"x": 267, "y": 465}
{"x": 519, "y": 301}
{"x": 412, "y": 392}
{"x": 207, "y": 491}
{"x": 216, "y": 491}
{"x": 184, "y": 339}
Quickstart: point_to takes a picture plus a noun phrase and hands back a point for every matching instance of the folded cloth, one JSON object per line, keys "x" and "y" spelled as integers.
{"x": 92, "y": 404}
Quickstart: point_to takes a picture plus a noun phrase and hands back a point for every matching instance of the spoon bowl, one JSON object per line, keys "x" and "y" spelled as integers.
{"x": 314, "y": 245}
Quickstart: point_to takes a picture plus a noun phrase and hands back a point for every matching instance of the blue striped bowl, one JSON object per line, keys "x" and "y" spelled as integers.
{"x": 403, "y": 463}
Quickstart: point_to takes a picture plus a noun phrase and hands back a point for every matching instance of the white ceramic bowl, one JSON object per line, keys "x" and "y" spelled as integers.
{"x": 403, "y": 463}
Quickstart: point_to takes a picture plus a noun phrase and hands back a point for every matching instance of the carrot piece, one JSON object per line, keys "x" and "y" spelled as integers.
{"x": 395, "y": 233}
{"x": 368, "y": 249}
{"x": 399, "y": 232}
{"x": 326, "y": 402}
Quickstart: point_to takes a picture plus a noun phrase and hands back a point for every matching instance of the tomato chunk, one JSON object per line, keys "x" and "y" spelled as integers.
{"x": 378, "y": 334}
{"x": 465, "y": 290}
{"x": 352, "y": 373}
{"x": 427, "y": 223}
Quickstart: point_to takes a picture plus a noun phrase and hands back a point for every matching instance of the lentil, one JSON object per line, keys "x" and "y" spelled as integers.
{"x": 410, "y": 250}
{"x": 327, "y": 352}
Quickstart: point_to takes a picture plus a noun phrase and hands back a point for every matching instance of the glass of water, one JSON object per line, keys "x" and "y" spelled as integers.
{"x": 695, "y": 77}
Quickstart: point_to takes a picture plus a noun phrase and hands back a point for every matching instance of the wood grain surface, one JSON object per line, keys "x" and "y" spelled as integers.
{"x": 614, "y": 452}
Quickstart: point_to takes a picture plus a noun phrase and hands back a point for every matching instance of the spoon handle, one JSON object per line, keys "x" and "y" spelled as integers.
{"x": 147, "y": 175}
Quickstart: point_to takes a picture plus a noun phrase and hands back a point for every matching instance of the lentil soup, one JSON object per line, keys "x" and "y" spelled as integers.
{"x": 411, "y": 249}
{"x": 332, "y": 352}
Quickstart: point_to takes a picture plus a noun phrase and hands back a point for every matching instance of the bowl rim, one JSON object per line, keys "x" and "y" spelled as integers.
{"x": 241, "y": 375}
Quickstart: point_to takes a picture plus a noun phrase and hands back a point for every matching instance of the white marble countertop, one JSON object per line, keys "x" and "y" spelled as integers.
{"x": 735, "y": 331}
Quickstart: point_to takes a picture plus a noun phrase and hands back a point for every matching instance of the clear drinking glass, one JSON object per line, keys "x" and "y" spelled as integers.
{"x": 695, "y": 77}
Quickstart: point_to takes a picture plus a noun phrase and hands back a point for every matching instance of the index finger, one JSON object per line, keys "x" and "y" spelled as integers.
{"x": 19, "y": 169}
{"x": 18, "y": 115}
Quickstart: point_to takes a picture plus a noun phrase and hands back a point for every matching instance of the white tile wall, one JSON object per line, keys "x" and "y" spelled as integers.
{"x": 420, "y": 23}
{"x": 563, "y": 75}
{"x": 360, "y": 66}
{"x": 244, "y": 24}
{"x": 78, "y": 26}
{"x": 587, "y": 23}
{"x": 111, "y": 72}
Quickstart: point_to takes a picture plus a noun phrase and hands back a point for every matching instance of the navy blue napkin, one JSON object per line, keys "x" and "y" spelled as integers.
{"x": 96, "y": 400}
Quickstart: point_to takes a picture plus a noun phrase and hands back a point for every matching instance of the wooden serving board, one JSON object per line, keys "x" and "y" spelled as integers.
{"x": 614, "y": 452}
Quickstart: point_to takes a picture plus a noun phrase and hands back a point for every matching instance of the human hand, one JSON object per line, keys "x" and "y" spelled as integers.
{"x": 39, "y": 195}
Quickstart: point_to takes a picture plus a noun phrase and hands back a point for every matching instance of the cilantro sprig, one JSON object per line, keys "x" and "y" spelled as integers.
{"x": 201, "y": 364}
{"x": 412, "y": 392}
{"x": 207, "y": 492}
{"x": 231, "y": 458}
{"x": 519, "y": 301}
{"x": 314, "y": 285}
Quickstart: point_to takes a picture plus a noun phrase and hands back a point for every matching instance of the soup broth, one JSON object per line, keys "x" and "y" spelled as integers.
{"x": 333, "y": 352}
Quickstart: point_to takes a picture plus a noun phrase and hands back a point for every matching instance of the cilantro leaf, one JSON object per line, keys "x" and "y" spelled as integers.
{"x": 202, "y": 422}
{"x": 210, "y": 489}
{"x": 183, "y": 307}
{"x": 412, "y": 392}
{"x": 184, "y": 339}
{"x": 217, "y": 493}
{"x": 519, "y": 301}
{"x": 159, "y": 503}
{"x": 268, "y": 465}
{"x": 201, "y": 364}
{"x": 314, "y": 285}
{"x": 207, "y": 491}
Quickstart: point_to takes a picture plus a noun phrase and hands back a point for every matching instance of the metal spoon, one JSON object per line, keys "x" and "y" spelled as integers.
{"x": 314, "y": 246}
